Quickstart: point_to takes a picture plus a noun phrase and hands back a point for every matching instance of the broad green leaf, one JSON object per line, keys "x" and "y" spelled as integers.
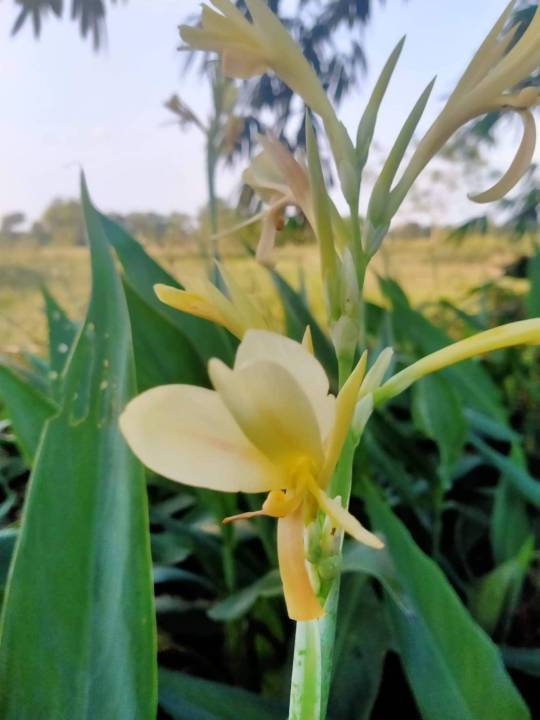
{"x": 27, "y": 408}
{"x": 493, "y": 592}
{"x": 241, "y": 602}
{"x": 453, "y": 668}
{"x": 188, "y": 698}
{"x": 298, "y": 317}
{"x": 438, "y": 414}
{"x": 142, "y": 273}
{"x": 77, "y": 638}
{"x": 62, "y": 332}
{"x": 162, "y": 354}
{"x": 362, "y": 640}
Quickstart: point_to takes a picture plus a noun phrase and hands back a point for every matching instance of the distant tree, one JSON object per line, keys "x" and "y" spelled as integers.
{"x": 39, "y": 234}
{"x": 9, "y": 225}
{"x": 62, "y": 223}
{"x": 89, "y": 14}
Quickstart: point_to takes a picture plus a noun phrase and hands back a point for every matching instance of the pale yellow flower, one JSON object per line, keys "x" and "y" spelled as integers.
{"x": 271, "y": 426}
{"x": 248, "y": 48}
{"x": 280, "y": 181}
{"x": 487, "y": 85}
{"x": 236, "y": 311}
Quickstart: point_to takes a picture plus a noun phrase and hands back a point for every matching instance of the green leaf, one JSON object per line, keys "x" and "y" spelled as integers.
{"x": 532, "y": 299}
{"x": 438, "y": 414}
{"x": 8, "y": 538}
{"x": 366, "y": 127}
{"x": 510, "y": 523}
{"x": 376, "y": 563}
{"x": 298, "y": 317}
{"x": 240, "y": 603}
{"x": 162, "y": 353}
{"x": 77, "y": 638}
{"x": 526, "y": 660}
{"x": 362, "y": 640}
{"x": 188, "y": 698}
{"x": 27, "y": 408}
{"x": 496, "y": 429}
{"x": 516, "y": 475}
{"x": 469, "y": 379}
{"x": 142, "y": 273}
{"x": 453, "y": 668}
{"x": 491, "y": 594}
{"x": 62, "y": 332}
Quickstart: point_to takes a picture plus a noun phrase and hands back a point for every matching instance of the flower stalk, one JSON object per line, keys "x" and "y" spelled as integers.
{"x": 270, "y": 424}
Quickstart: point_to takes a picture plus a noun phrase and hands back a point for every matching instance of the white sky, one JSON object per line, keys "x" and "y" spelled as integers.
{"x": 66, "y": 107}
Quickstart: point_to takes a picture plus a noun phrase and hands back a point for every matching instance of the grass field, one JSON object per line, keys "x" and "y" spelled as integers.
{"x": 427, "y": 270}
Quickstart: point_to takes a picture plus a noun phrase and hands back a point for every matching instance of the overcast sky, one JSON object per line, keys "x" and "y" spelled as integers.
{"x": 66, "y": 107}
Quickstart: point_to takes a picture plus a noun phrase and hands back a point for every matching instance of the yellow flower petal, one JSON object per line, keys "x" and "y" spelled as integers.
{"x": 244, "y": 308}
{"x": 260, "y": 345}
{"x": 519, "y": 166}
{"x": 287, "y": 60}
{"x": 186, "y": 434}
{"x": 271, "y": 408}
{"x": 200, "y": 306}
{"x": 524, "y": 332}
{"x": 265, "y": 247}
{"x": 239, "y": 63}
{"x": 343, "y": 518}
{"x": 345, "y": 404}
{"x": 301, "y": 601}
{"x": 294, "y": 175}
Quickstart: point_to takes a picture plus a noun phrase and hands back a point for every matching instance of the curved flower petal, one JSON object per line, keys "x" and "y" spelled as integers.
{"x": 196, "y": 304}
{"x": 272, "y": 410}
{"x": 343, "y": 518}
{"x": 301, "y": 601}
{"x": 524, "y": 332}
{"x": 519, "y": 166}
{"x": 261, "y": 345}
{"x": 345, "y": 404}
{"x": 186, "y": 434}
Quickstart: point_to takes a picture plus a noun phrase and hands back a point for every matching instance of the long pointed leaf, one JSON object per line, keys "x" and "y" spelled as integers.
{"x": 77, "y": 636}
{"x": 142, "y": 273}
{"x": 453, "y": 668}
{"x": 27, "y": 408}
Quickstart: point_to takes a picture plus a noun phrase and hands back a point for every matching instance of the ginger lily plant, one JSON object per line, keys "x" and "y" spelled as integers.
{"x": 270, "y": 424}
